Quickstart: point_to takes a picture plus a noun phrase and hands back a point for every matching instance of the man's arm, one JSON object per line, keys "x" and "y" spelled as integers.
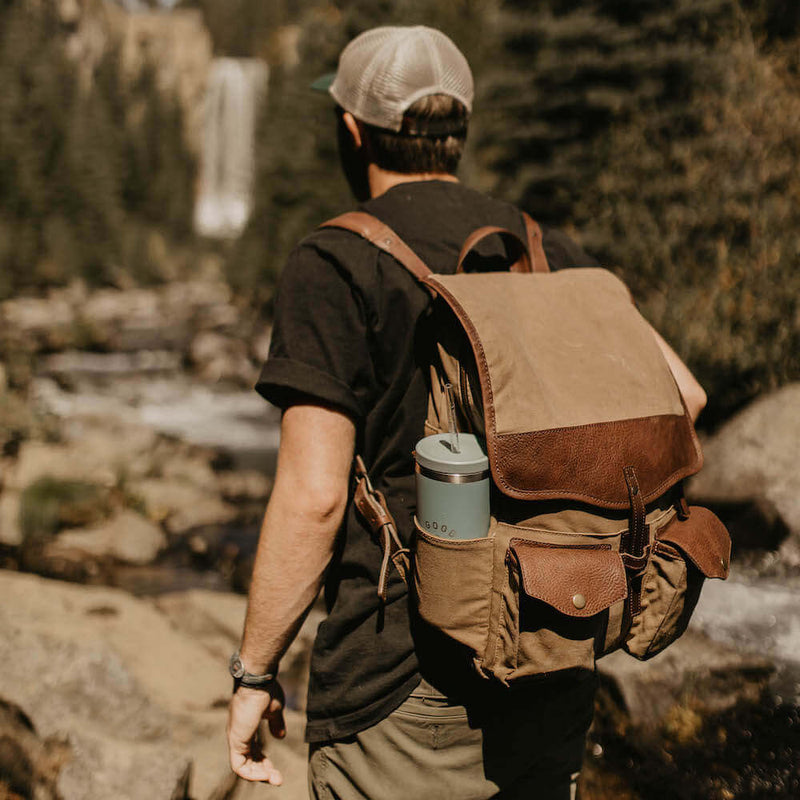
{"x": 693, "y": 394}
{"x": 303, "y": 516}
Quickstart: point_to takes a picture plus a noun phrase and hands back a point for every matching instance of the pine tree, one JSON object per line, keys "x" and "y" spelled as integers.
{"x": 663, "y": 135}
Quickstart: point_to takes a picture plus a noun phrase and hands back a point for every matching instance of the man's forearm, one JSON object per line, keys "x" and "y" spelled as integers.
{"x": 298, "y": 533}
{"x": 293, "y": 553}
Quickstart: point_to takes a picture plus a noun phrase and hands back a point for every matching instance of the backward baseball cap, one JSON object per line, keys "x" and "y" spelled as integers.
{"x": 385, "y": 70}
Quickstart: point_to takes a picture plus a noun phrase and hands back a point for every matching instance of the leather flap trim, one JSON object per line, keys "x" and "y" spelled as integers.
{"x": 577, "y": 580}
{"x": 704, "y": 540}
{"x": 586, "y": 463}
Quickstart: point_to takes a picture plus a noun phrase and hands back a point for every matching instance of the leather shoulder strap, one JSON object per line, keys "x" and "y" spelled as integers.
{"x": 382, "y": 236}
{"x": 538, "y": 258}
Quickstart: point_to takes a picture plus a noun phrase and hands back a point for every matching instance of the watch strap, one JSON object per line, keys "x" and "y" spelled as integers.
{"x": 241, "y": 677}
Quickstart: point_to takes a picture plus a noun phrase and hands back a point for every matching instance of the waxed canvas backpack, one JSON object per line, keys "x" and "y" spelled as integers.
{"x": 591, "y": 545}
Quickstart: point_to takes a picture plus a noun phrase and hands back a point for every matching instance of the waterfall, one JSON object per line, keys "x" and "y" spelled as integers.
{"x": 236, "y": 87}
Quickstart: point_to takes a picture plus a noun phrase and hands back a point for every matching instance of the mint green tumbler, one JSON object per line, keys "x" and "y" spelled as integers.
{"x": 452, "y": 477}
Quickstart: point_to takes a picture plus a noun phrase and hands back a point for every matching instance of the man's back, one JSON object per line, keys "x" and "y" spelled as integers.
{"x": 345, "y": 330}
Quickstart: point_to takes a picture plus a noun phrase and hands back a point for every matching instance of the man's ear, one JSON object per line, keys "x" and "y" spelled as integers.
{"x": 354, "y": 126}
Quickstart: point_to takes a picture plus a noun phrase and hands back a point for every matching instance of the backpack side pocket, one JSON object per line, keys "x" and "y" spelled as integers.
{"x": 684, "y": 553}
{"x": 453, "y": 585}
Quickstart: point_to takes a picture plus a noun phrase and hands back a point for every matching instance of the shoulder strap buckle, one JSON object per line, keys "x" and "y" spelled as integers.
{"x": 372, "y": 506}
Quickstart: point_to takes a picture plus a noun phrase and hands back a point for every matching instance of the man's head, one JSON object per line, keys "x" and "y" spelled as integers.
{"x": 409, "y": 90}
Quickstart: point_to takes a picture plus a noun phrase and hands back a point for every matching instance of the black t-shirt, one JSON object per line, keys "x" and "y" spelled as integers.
{"x": 346, "y": 316}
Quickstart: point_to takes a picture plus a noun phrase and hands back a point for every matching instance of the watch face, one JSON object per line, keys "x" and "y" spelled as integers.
{"x": 236, "y": 666}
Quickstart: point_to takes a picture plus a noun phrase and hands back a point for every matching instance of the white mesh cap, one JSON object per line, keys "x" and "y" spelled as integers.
{"x": 385, "y": 70}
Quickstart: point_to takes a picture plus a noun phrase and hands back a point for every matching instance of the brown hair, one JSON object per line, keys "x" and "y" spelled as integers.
{"x": 412, "y": 149}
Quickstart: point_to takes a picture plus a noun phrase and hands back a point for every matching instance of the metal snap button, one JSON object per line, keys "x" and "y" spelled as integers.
{"x": 579, "y": 601}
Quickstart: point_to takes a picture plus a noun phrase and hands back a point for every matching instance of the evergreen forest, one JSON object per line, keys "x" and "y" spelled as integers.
{"x": 663, "y": 136}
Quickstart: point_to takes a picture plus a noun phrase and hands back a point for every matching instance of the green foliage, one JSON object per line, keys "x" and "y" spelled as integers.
{"x": 84, "y": 171}
{"x": 48, "y": 505}
{"x": 665, "y": 137}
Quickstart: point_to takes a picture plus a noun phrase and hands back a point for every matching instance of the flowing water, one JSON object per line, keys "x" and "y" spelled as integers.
{"x": 236, "y": 89}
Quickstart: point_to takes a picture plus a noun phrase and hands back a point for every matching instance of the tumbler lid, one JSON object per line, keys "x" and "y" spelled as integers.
{"x": 436, "y": 453}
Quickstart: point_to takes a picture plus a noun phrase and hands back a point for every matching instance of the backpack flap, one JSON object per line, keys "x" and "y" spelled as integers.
{"x": 704, "y": 540}
{"x": 577, "y": 580}
{"x": 573, "y": 386}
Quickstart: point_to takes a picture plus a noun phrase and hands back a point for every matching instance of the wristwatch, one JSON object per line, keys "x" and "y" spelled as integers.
{"x": 241, "y": 677}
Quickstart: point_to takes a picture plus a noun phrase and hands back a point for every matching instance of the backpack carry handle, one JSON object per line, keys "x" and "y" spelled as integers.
{"x": 522, "y": 264}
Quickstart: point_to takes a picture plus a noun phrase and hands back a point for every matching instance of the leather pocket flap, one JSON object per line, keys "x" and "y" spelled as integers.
{"x": 578, "y": 580}
{"x": 704, "y": 540}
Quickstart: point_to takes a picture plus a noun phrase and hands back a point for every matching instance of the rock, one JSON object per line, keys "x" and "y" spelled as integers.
{"x": 75, "y": 365}
{"x": 212, "y": 619}
{"x": 137, "y": 700}
{"x": 244, "y": 485}
{"x": 182, "y": 506}
{"x": 761, "y": 618}
{"x": 222, "y": 358}
{"x": 216, "y": 621}
{"x": 10, "y": 530}
{"x": 29, "y": 767}
{"x": 127, "y": 537}
{"x": 693, "y": 677}
{"x": 43, "y": 322}
{"x": 93, "y": 462}
{"x": 179, "y": 48}
{"x": 259, "y": 345}
{"x": 123, "y": 320}
{"x": 750, "y": 476}
{"x": 191, "y": 468}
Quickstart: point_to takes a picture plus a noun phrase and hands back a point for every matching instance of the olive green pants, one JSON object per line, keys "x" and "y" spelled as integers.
{"x": 428, "y": 748}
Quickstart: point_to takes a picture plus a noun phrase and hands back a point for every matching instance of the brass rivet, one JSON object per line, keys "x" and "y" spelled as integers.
{"x": 579, "y": 601}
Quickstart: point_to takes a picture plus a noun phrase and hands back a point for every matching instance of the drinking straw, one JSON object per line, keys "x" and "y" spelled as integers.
{"x": 455, "y": 445}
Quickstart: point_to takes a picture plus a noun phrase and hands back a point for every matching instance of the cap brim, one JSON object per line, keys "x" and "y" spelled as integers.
{"x": 323, "y": 83}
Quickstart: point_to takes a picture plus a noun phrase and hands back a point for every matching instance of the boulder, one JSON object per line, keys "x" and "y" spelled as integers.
{"x": 181, "y": 506}
{"x": 192, "y": 468}
{"x": 74, "y": 366}
{"x": 246, "y": 484}
{"x": 94, "y": 450}
{"x": 29, "y": 766}
{"x": 40, "y": 322}
{"x": 10, "y": 530}
{"x": 127, "y": 537}
{"x": 138, "y": 700}
{"x": 216, "y": 621}
{"x": 750, "y": 476}
{"x": 222, "y": 358}
{"x": 761, "y": 617}
{"x": 694, "y": 677}
{"x": 36, "y": 460}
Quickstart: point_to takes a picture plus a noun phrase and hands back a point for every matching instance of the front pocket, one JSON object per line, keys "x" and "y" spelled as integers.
{"x": 555, "y": 601}
{"x": 684, "y": 554}
{"x": 453, "y": 584}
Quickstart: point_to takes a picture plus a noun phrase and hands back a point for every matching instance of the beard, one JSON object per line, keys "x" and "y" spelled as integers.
{"x": 354, "y": 164}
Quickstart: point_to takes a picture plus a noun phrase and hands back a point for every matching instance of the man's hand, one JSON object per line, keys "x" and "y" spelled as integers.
{"x": 248, "y": 708}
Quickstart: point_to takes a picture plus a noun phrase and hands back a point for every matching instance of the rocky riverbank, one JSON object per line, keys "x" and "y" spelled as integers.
{"x": 135, "y": 463}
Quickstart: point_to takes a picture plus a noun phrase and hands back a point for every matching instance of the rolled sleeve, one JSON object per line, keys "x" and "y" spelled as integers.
{"x": 284, "y": 382}
{"x": 320, "y": 339}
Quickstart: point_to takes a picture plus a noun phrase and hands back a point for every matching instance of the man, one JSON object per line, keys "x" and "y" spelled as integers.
{"x": 392, "y": 711}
